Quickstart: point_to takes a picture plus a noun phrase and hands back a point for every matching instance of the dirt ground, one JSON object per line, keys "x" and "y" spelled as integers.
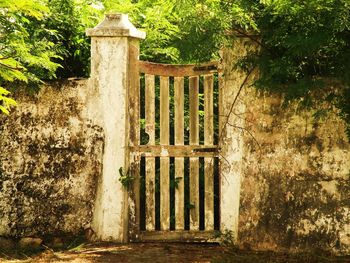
{"x": 164, "y": 252}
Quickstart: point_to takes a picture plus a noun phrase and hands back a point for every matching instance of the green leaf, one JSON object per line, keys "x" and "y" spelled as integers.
{"x": 4, "y": 110}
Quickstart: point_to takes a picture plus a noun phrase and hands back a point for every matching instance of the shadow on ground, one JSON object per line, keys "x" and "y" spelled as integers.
{"x": 155, "y": 252}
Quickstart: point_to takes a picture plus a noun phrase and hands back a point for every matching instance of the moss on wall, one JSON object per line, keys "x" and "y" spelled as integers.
{"x": 50, "y": 160}
{"x": 295, "y": 179}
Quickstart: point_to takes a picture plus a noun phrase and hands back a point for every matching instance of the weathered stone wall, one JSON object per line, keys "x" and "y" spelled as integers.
{"x": 295, "y": 183}
{"x": 295, "y": 186}
{"x": 50, "y": 160}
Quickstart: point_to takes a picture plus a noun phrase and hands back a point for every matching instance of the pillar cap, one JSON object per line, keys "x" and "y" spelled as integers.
{"x": 115, "y": 25}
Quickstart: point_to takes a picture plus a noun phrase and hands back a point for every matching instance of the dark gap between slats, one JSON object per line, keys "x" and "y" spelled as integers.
{"x": 201, "y": 194}
{"x": 157, "y": 194}
{"x": 217, "y": 194}
{"x": 186, "y": 112}
{"x": 172, "y": 187}
{"x": 187, "y": 192}
{"x": 201, "y": 109}
{"x": 216, "y": 109}
{"x": 143, "y": 193}
{"x": 171, "y": 111}
{"x": 143, "y": 135}
{"x": 157, "y": 109}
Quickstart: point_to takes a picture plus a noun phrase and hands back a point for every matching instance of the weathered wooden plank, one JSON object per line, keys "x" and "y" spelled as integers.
{"x": 179, "y": 162}
{"x": 178, "y": 70}
{"x": 164, "y": 161}
{"x": 208, "y": 110}
{"x": 194, "y": 162}
{"x": 179, "y": 110}
{"x": 209, "y": 162}
{"x": 134, "y": 135}
{"x": 177, "y": 150}
{"x": 150, "y": 162}
{"x": 178, "y": 236}
{"x": 150, "y": 108}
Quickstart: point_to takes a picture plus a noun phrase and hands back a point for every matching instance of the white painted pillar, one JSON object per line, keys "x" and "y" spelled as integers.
{"x": 232, "y": 140}
{"x": 113, "y": 44}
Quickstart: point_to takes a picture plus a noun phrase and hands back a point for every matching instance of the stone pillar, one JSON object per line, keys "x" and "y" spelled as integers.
{"x": 114, "y": 42}
{"x": 232, "y": 141}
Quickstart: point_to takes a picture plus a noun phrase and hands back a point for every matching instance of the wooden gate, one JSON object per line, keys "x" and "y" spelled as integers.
{"x": 174, "y": 167}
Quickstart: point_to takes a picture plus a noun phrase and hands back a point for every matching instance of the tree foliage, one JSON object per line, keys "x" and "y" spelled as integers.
{"x": 42, "y": 39}
{"x": 158, "y": 19}
{"x": 69, "y": 19}
{"x": 24, "y": 55}
{"x": 303, "y": 45}
{"x": 304, "y": 50}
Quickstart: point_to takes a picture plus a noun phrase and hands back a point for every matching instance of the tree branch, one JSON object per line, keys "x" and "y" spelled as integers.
{"x": 251, "y": 38}
{"x": 234, "y": 101}
{"x": 245, "y": 129}
{"x": 10, "y": 67}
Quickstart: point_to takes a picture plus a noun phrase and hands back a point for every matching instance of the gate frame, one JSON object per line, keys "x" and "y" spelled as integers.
{"x": 115, "y": 74}
{"x": 166, "y": 150}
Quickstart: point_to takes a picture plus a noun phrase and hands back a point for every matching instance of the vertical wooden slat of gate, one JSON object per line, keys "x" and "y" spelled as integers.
{"x": 194, "y": 162}
{"x": 150, "y": 161}
{"x": 164, "y": 161}
{"x": 179, "y": 161}
{"x": 209, "y": 162}
{"x": 134, "y": 135}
